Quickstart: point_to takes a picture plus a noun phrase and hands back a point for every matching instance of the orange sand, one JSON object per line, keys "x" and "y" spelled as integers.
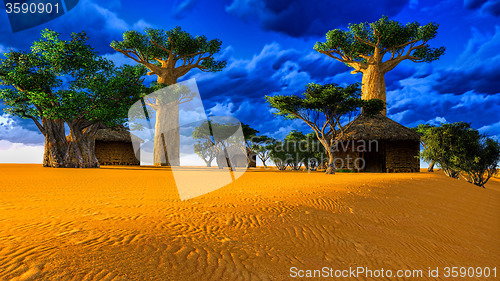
{"x": 122, "y": 223}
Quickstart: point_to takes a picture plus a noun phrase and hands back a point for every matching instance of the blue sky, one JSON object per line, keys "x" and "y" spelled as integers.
{"x": 269, "y": 49}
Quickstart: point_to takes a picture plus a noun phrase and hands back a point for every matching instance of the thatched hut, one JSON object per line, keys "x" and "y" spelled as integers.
{"x": 114, "y": 147}
{"x": 379, "y": 144}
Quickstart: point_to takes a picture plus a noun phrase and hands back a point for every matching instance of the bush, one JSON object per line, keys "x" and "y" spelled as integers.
{"x": 462, "y": 151}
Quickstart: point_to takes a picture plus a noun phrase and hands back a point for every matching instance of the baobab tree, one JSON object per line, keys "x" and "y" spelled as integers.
{"x": 169, "y": 55}
{"x": 65, "y": 82}
{"x": 374, "y": 49}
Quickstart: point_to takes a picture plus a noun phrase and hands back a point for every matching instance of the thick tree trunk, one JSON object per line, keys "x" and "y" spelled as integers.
{"x": 330, "y": 167}
{"x": 167, "y": 139}
{"x": 55, "y": 143}
{"x": 167, "y": 135}
{"x": 431, "y": 167}
{"x": 81, "y": 148}
{"x": 373, "y": 85}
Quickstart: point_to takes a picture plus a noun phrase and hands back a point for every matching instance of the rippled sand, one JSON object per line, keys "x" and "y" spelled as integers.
{"x": 127, "y": 223}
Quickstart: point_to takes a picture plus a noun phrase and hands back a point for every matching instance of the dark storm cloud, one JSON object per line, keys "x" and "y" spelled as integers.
{"x": 491, "y": 7}
{"x": 460, "y": 81}
{"x": 301, "y": 18}
{"x": 477, "y": 68}
{"x": 240, "y": 88}
{"x": 101, "y": 24}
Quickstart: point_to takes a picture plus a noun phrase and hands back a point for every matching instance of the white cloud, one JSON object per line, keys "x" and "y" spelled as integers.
{"x": 141, "y": 24}
{"x": 20, "y": 153}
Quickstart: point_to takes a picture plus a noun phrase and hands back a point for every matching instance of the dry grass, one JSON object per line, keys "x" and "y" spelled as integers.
{"x": 127, "y": 223}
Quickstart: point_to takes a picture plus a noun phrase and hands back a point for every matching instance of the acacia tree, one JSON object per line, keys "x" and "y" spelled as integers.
{"x": 325, "y": 109}
{"x": 262, "y": 145}
{"x": 365, "y": 45}
{"x": 249, "y": 133}
{"x": 218, "y": 137}
{"x": 169, "y": 55}
{"x": 206, "y": 151}
{"x": 279, "y": 155}
{"x": 65, "y": 81}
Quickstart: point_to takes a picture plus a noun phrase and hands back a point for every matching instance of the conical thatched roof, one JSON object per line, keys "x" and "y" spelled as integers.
{"x": 378, "y": 127}
{"x": 122, "y": 135}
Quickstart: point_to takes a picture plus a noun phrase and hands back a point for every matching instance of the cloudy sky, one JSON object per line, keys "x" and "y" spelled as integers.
{"x": 268, "y": 45}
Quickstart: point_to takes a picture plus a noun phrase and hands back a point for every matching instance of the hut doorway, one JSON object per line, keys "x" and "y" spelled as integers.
{"x": 375, "y": 159}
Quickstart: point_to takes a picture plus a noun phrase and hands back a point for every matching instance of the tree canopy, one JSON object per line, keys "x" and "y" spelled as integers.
{"x": 326, "y": 109}
{"x": 461, "y": 150}
{"x": 66, "y": 81}
{"x": 367, "y": 43}
{"x": 170, "y": 54}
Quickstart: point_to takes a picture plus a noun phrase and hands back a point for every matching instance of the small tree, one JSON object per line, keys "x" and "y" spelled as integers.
{"x": 220, "y": 141}
{"x": 446, "y": 142}
{"x": 365, "y": 45}
{"x": 315, "y": 153}
{"x": 262, "y": 145}
{"x": 249, "y": 133}
{"x": 279, "y": 155}
{"x": 428, "y": 154}
{"x": 206, "y": 151}
{"x": 480, "y": 160}
{"x": 296, "y": 145}
{"x": 325, "y": 109}
{"x": 169, "y": 55}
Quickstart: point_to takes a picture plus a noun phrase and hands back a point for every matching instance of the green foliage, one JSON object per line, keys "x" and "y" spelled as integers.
{"x": 172, "y": 46}
{"x": 361, "y": 41}
{"x": 279, "y": 155}
{"x": 428, "y": 154}
{"x": 297, "y": 149}
{"x": 480, "y": 160}
{"x": 206, "y": 151}
{"x": 345, "y": 171}
{"x": 461, "y": 150}
{"x": 67, "y": 80}
{"x": 330, "y": 100}
{"x": 262, "y": 145}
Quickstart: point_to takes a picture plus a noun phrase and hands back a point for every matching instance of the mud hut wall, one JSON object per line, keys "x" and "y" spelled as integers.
{"x": 401, "y": 156}
{"x": 115, "y": 153}
{"x": 346, "y": 155}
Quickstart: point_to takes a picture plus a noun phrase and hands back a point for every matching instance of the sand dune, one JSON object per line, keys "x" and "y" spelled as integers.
{"x": 124, "y": 223}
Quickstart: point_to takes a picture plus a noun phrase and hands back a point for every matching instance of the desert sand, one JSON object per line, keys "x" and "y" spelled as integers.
{"x": 127, "y": 223}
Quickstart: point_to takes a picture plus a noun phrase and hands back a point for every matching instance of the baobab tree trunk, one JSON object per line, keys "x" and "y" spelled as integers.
{"x": 167, "y": 139}
{"x": 81, "y": 148}
{"x": 167, "y": 135}
{"x": 373, "y": 85}
{"x": 55, "y": 143}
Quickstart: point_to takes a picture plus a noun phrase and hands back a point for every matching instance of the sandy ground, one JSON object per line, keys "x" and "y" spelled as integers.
{"x": 120, "y": 223}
